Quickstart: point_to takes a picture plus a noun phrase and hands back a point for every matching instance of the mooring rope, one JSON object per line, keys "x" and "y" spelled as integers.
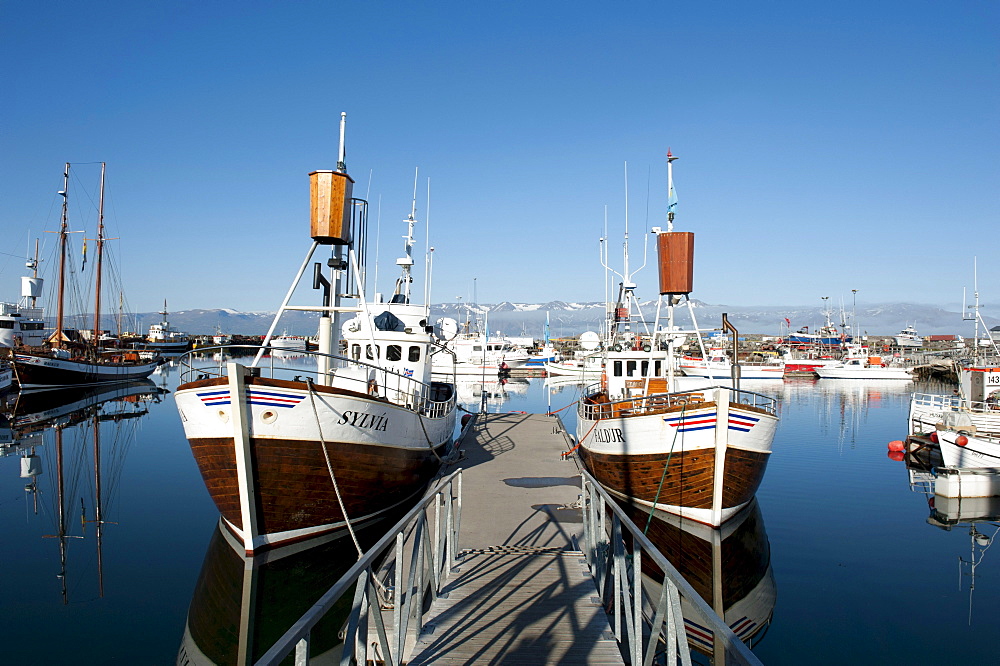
{"x": 329, "y": 467}
{"x": 649, "y": 518}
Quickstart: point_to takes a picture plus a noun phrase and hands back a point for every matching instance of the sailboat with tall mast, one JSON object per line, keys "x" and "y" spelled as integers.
{"x": 78, "y": 363}
{"x": 700, "y": 453}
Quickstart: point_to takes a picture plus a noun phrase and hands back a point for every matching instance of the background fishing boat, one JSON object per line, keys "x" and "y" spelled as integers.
{"x": 82, "y": 361}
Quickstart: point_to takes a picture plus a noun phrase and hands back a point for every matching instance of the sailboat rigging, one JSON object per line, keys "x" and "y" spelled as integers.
{"x": 78, "y": 363}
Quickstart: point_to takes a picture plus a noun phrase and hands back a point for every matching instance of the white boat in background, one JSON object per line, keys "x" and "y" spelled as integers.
{"x": 978, "y": 397}
{"x": 961, "y": 446}
{"x": 475, "y": 354}
{"x": 6, "y": 376}
{"x": 23, "y": 323}
{"x": 718, "y": 366}
{"x": 908, "y": 338}
{"x": 288, "y": 343}
{"x": 164, "y": 337}
{"x": 867, "y": 367}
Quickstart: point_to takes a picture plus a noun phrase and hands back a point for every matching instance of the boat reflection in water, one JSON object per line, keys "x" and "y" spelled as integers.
{"x": 243, "y": 604}
{"x": 730, "y": 567}
{"x": 98, "y": 418}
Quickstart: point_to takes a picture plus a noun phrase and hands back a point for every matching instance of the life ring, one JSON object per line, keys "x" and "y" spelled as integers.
{"x": 372, "y": 387}
{"x": 647, "y": 348}
{"x": 616, "y": 348}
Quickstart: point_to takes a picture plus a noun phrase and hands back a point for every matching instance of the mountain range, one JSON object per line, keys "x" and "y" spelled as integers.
{"x": 570, "y": 319}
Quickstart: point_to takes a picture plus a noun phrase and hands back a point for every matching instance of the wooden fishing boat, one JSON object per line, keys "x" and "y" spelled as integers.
{"x": 78, "y": 363}
{"x": 288, "y": 456}
{"x": 647, "y": 438}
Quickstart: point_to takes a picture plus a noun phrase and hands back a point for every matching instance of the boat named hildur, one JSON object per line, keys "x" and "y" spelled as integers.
{"x": 697, "y": 453}
{"x": 78, "y": 363}
{"x": 286, "y": 459}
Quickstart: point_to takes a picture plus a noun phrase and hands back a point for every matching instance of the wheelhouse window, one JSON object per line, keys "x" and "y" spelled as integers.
{"x": 617, "y": 368}
{"x": 355, "y": 352}
{"x": 393, "y": 352}
{"x": 414, "y": 353}
{"x": 630, "y": 368}
{"x": 371, "y": 352}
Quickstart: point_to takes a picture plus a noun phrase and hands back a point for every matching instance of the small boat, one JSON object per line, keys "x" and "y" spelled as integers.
{"x": 163, "y": 337}
{"x": 78, "y": 363}
{"x": 718, "y": 366}
{"x": 870, "y": 367}
{"x": 288, "y": 343}
{"x": 23, "y": 323}
{"x": 585, "y": 363}
{"x": 700, "y": 454}
{"x": 6, "y": 376}
{"x": 288, "y": 455}
{"x": 908, "y": 338}
{"x": 548, "y": 352}
{"x": 978, "y": 397}
{"x": 962, "y": 446}
{"x": 828, "y": 335}
{"x": 477, "y": 353}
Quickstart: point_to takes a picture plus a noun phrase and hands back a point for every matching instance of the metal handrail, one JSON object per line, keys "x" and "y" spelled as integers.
{"x": 432, "y": 554}
{"x": 618, "y": 575}
{"x": 409, "y": 391}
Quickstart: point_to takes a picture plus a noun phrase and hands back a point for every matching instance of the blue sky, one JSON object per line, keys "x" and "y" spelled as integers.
{"x": 824, "y": 147}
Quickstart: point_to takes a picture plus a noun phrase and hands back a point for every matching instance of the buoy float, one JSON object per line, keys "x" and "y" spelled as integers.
{"x": 933, "y": 437}
{"x": 896, "y": 455}
{"x": 896, "y": 445}
{"x": 465, "y": 419}
{"x": 961, "y": 440}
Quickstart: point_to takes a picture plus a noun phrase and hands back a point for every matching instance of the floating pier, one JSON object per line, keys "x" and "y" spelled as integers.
{"x": 522, "y": 592}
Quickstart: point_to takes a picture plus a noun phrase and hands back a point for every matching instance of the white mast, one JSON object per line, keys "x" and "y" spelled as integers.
{"x": 406, "y": 263}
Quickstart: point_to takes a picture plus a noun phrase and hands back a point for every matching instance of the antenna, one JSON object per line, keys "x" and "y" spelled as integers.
{"x": 342, "y": 153}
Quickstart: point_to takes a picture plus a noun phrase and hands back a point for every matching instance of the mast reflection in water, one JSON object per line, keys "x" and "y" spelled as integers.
{"x": 729, "y": 567}
{"x": 68, "y": 431}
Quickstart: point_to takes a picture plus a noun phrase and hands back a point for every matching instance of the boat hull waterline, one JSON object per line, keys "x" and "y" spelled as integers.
{"x": 380, "y": 454}
{"x": 704, "y": 463}
{"x": 43, "y": 371}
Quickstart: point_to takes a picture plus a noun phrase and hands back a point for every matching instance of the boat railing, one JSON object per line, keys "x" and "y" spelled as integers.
{"x": 660, "y": 402}
{"x": 955, "y": 403}
{"x": 375, "y": 380}
{"x": 648, "y": 623}
{"x": 421, "y": 550}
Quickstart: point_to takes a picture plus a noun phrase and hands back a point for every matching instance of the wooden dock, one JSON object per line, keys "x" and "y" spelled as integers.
{"x": 522, "y": 592}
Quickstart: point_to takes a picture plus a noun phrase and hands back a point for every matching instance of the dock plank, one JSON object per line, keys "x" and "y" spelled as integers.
{"x": 522, "y": 592}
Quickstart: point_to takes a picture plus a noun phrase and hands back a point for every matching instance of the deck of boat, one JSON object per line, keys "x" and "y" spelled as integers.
{"x": 522, "y": 593}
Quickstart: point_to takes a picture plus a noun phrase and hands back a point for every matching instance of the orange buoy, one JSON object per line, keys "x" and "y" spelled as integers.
{"x": 933, "y": 437}
{"x": 896, "y": 445}
{"x": 896, "y": 455}
{"x": 961, "y": 440}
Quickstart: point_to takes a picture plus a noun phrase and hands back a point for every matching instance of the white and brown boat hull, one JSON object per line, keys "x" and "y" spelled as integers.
{"x": 703, "y": 461}
{"x": 276, "y": 461}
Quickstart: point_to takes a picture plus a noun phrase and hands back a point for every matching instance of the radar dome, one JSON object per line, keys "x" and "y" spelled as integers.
{"x": 446, "y": 329}
{"x": 590, "y": 340}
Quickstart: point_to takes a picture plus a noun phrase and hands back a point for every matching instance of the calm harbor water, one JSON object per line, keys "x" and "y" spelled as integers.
{"x": 860, "y": 575}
